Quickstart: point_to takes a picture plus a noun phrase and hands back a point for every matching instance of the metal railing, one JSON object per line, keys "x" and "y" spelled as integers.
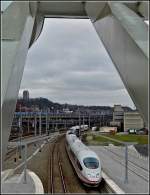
{"x": 25, "y": 144}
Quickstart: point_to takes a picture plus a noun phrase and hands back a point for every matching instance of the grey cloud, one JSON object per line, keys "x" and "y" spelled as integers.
{"x": 68, "y": 62}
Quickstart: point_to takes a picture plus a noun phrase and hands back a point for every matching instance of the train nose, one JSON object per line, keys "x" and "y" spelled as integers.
{"x": 93, "y": 176}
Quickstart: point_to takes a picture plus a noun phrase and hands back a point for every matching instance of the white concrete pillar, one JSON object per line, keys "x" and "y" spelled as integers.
{"x": 17, "y": 25}
{"x": 125, "y": 37}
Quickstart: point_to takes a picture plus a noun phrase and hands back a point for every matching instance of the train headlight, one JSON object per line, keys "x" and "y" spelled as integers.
{"x": 89, "y": 175}
{"x": 97, "y": 175}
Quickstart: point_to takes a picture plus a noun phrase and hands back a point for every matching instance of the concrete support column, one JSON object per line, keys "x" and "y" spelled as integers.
{"x": 17, "y": 26}
{"x": 125, "y": 37}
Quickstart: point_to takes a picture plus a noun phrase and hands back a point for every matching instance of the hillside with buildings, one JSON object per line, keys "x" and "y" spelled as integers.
{"x": 42, "y": 104}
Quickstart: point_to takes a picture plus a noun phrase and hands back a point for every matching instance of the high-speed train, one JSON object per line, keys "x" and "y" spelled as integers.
{"x": 76, "y": 129}
{"x": 85, "y": 162}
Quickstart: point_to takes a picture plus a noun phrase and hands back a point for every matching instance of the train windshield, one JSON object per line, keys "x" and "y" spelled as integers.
{"x": 91, "y": 163}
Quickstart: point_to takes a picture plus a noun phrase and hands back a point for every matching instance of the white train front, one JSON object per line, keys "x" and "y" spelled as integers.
{"x": 85, "y": 162}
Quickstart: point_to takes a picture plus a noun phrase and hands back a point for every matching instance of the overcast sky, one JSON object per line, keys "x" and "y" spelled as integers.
{"x": 68, "y": 64}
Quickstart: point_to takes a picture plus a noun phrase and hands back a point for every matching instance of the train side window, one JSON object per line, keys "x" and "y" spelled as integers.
{"x": 79, "y": 165}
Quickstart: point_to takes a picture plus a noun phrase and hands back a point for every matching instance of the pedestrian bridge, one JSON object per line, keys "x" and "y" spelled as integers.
{"x": 120, "y": 26}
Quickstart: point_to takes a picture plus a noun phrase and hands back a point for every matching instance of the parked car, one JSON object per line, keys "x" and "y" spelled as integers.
{"x": 94, "y": 128}
{"x": 132, "y": 131}
{"x": 142, "y": 131}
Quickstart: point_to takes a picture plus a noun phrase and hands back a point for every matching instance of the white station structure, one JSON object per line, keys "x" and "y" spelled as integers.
{"x": 120, "y": 26}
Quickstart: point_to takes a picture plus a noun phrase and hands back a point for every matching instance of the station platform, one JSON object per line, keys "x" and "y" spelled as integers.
{"x": 14, "y": 183}
{"x": 113, "y": 164}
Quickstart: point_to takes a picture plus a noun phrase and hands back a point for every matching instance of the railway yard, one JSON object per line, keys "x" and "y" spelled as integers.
{"x": 53, "y": 168}
{"x": 49, "y": 160}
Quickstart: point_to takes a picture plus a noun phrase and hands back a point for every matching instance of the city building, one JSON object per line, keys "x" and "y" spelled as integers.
{"x": 118, "y": 116}
{"x": 133, "y": 120}
{"x": 118, "y": 113}
{"x": 25, "y": 95}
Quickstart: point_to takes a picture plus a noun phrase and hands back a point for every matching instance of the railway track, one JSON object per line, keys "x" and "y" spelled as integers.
{"x": 57, "y": 178}
{"x": 61, "y": 173}
{"x": 10, "y": 153}
{"x": 13, "y": 151}
{"x": 62, "y": 177}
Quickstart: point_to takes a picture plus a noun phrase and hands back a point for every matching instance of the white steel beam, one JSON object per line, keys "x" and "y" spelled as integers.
{"x": 125, "y": 36}
{"x": 73, "y": 9}
{"x": 123, "y": 33}
{"x": 17, "y": 25}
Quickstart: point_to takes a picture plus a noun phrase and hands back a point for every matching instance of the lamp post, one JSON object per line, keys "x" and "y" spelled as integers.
{"x": 28, "y": 123}
{"x": 35, "y": 129}
{"x": 126, "y": 164}
{"x": 40, "y": 123}
{"x": 46, "y": 123}
{"x": 79, "y": 123}
{"x": 25, "y": 163}
{"x": 20, "y": 132}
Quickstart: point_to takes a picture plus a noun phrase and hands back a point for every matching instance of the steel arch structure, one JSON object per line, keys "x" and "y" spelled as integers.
{"x": 120, "y": 26}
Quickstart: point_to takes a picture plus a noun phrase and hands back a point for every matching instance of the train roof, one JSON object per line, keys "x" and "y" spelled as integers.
{"x": 80, "y": 149}
{"x": 87, "y": 154}
{"x": 69, "y": 132}
{"x": 74, "y": 127}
